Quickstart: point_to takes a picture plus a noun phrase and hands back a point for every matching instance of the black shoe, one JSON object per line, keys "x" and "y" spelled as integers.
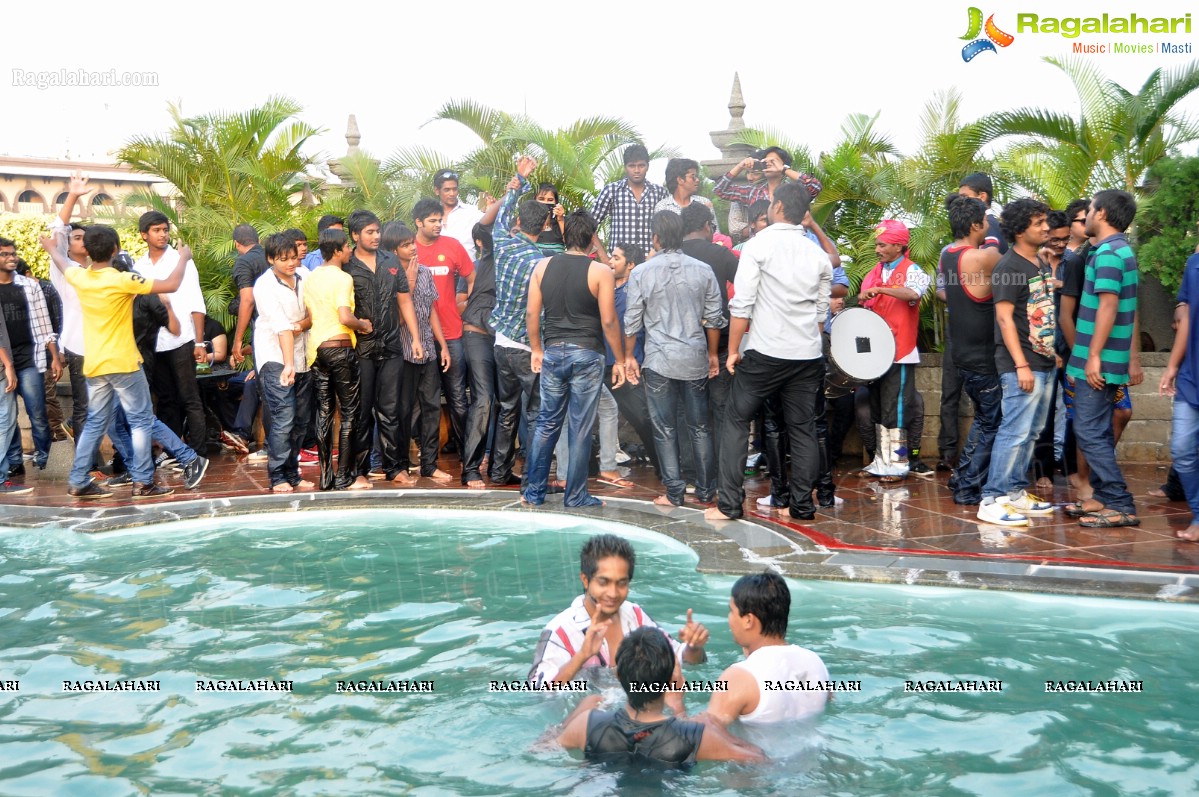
{"x": 945, "y": 466}
{"x": 8, "y": 488}
{"x": 194, "y": 472}
{"x": 89, "y": 490}
{"x": 16, "y": 470}
{"x": 511, "y": 481}
{"x": 150, "y": 490}
{"x": 920, "y": 468}
{"x": 120, "y": 480}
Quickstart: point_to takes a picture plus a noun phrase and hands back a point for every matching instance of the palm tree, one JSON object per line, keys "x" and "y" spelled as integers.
{"x": 1117, "y": 137}
{"x": 227, "y": 169}
{"x": 578, "y": 159}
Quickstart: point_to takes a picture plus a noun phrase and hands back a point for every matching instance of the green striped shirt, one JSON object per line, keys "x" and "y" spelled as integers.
{"x": 1111, "y": 268}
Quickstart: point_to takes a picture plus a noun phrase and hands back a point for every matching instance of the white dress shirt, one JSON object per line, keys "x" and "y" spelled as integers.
{"x": 783, "y": 283}
{"x": 460, "y": 223}
{"x": 279, "y": 307}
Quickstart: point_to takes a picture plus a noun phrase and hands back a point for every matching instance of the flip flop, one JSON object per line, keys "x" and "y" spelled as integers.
{"x": 620, "y": 484}
{"x": 1108, "y": 519}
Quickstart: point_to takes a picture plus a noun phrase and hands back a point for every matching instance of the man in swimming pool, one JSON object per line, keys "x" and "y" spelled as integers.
{"x": 640, "y": 731}
{"x": 777, "y": 682}
{"x": 589, "y": 632}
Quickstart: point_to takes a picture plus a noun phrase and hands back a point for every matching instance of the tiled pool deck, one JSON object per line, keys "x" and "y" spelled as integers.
{"x": 913, "y": 534}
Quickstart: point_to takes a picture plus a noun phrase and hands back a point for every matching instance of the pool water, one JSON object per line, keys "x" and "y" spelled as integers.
{"x": 459, "y": 599}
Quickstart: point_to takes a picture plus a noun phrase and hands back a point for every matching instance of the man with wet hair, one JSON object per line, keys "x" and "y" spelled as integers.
{"x": 758, "y": 612}
{"x": 630, "y": 202}
{"x": 588, "y": 633}
{"x": 683, "y": 182}
{"x": 640, "y": 732}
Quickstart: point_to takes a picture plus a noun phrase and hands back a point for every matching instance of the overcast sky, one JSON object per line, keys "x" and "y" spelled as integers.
{"x": 666, "y": 66}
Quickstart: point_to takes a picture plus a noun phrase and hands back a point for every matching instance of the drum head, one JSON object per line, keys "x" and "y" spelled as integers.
{"x": 861, "y": 344}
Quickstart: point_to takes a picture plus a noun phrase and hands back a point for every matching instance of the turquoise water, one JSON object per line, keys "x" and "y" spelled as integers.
{"x": 459, "y": 599}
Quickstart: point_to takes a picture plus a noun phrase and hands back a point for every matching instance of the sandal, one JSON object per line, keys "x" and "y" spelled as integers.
{"x": 1076, "y": 510}
{"x": 619, "y": 483}
{"x": 1108, "y": 519}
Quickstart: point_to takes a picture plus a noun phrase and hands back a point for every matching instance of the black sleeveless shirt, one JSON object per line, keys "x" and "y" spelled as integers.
{"x": 971, "y": 320}
{"x": 571, "y": 313}
{"x": 615, "y": 736}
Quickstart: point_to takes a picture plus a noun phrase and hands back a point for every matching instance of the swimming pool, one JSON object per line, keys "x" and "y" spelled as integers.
{"x": 458, "y": 599}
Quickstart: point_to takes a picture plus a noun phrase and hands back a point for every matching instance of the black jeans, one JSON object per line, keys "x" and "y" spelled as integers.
{"x": 78, "y": 393}
{"x": 971, "y": 473}
{"x": 453, "y": 385}
{"x": 338, "y": 381}
{"x": 951, "y": 400}
{"x": 381, "y": 406}
{"x": 421, "y": 389}
{"x": 892, "y": 398}
{"x": 517, "y": 389}
{"x": 666, "y": 398}
{"x": 798, "y": 382}
{"x": 633, "y": 406}
{"x": 718, "y": 400}
{"x": 178, "y": 395}
{"x": 480, "y": 361}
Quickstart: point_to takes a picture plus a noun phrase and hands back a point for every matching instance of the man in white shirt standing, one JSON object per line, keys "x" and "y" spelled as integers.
{"x": 175, "y": 384}
{"x": 457, "y": 219}
{"x": 783, "y": 282}
{"x": 777, "y": 682}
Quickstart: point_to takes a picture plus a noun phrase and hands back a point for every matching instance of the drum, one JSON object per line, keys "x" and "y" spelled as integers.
{"x": 861, "y": 350}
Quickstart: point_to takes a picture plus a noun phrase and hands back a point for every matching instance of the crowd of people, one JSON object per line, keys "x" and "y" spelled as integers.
{"x": 529, "y": 327}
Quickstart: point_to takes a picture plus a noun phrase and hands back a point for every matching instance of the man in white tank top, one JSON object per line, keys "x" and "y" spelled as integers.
{"x": 777, "y": 682}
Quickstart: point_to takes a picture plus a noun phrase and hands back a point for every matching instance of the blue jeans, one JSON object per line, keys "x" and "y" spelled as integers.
{"x": 1184, "y": 448}
{"x": 1097, "y": 442}
{"x": 987, "y": 397}
{"x": 664, "y": 396}
{"x": 31, "y": 384}
{"x": 1024, "y": 416}
{"x": 133, "y": 394}
{"x": 289, "y": 407}
{"x": 122, "y": 439}
{"x": 8, "y": 427}
{"x": 571, "y": 377}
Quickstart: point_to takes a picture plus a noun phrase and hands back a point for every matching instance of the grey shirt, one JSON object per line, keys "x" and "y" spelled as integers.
{"x": 674, "y": 298}
{"x": 4, "y": 343}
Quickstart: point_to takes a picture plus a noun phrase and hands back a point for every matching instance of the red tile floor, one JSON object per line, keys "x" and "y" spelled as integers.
{"x": 915, "y": 518}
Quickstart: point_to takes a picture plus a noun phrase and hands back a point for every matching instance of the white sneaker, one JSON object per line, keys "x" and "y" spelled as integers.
{"x": 1029, "y": 505}
{"x": 257, "y": 456}
{"x": 767, "y": 501}
{"x": 1000, "y": 514}
{"x": 621, "y": 457}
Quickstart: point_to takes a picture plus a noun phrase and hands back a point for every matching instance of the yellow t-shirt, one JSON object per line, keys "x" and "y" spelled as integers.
{"x": 106, "y": 297}
{"x": 327, "y": 288}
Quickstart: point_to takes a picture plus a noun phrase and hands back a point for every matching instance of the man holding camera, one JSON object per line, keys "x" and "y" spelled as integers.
{"x": 774, "y": 163}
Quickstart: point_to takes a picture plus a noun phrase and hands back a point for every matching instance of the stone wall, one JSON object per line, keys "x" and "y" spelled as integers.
{"x": 1146, "y": 439}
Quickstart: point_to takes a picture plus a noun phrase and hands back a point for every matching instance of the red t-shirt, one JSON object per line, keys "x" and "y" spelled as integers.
{"x": 446, "y": 260}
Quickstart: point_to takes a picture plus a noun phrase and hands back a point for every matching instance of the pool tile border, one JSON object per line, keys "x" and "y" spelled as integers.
{"x": 733, "y": 547}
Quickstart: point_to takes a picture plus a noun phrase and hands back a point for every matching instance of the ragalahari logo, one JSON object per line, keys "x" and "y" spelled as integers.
{"x": 979, "y": 45}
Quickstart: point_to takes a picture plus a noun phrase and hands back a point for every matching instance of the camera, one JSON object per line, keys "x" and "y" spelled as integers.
{"x": 760, "y": 166}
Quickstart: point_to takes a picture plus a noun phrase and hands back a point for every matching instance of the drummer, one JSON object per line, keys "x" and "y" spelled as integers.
{"x": 783, "y": 282}
{"x": 893, "y": 289}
